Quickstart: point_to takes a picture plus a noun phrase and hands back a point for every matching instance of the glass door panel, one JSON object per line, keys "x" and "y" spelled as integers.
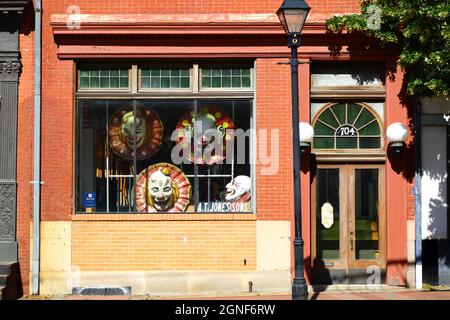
{"x": 328, "y": 214}
{"x": 366, "y": 214}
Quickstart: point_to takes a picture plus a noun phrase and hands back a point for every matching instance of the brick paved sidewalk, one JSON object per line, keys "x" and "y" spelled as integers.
{"x": 400, "y": 295}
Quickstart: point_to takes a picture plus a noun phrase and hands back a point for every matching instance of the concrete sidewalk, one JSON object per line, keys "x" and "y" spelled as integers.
{"x": 325, "y": 295}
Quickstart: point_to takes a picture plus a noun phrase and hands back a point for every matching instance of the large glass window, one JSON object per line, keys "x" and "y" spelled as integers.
{"x": 164, "y": 155}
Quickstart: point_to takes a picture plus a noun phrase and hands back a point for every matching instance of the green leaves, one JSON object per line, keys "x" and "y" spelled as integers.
{"x": 420, "y": 27}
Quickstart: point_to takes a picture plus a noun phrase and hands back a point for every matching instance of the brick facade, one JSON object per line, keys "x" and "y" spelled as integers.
{"x": 130, "y": 245}
{"x": 325, "y": 7}
{"x": 271, "y": 81}
{"x": 25, "y": 146}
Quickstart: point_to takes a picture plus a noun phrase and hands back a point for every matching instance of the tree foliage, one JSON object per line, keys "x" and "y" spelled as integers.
{"x": 422, "y": 30}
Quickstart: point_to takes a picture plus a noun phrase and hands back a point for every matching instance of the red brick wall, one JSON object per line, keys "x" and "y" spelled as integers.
{"x": 57, "y": 94}
{"x": 57, "y": 107}
{"x": 274, "y": 193}
{"x": 273, "y": 98}
{"x": 397, "y": 190}
{"x": 57, "y": 137}
{"x": 195, "y": 6}
{"x": 25, "y": 146}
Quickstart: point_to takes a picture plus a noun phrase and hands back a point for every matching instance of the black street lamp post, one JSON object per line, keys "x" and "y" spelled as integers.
{"x": 292, "y": 15}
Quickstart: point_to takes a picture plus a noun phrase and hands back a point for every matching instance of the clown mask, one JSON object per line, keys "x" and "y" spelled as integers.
{"x": 238, "y": 188}
{"x": 161, "y": 191}
{"x": 127, "y": 130}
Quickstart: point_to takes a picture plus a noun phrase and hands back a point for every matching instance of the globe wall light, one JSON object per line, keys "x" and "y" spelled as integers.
{"x": 306, "y": 136}
{"x": 397, "y": 133}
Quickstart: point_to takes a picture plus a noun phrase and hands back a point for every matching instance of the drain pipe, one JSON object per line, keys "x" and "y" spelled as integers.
{"x": 37, "y": 149}
{"x": 418, "y": 190}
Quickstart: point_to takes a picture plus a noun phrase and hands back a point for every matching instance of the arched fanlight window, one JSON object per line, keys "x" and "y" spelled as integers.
{"x": 347, "y": 126}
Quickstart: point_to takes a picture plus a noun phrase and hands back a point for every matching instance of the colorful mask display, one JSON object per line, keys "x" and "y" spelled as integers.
{"x": 162, "y": 187}
{"x": 239, "y": 190}
{"x": 142, "y": 130}
{"x": 208, "y": 118}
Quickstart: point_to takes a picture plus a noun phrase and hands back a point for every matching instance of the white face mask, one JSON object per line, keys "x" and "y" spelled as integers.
{"x": 127, "y": 130}
{"x": 237, "y": 188}
{"x": 161, "y": 192}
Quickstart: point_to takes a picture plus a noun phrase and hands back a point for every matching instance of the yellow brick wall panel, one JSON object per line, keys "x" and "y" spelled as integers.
{"x": 164, "y": 245}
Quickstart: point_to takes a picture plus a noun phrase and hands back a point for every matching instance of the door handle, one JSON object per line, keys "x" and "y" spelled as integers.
{"x": 352, "y": 239}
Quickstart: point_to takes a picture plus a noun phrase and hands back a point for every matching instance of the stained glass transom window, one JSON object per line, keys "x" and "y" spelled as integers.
{"x": 226, "y": 78}
{"x": 104, "y": 78}
{"x": 347, "y": 126}
{"x": 157, "y": 78}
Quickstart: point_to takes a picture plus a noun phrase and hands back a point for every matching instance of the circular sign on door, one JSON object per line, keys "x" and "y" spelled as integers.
{"x": 327, "y": 215}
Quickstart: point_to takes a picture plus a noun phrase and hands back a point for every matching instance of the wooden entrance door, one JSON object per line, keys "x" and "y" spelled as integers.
{"x": 348, "y": 224}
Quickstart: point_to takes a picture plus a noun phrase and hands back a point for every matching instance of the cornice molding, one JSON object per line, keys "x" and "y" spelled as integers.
{"x": 91, "y": 36}
{"x": 159, "y": 24}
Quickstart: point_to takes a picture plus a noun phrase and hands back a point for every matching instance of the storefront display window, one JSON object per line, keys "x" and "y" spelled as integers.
{"x": 149, "y": 154}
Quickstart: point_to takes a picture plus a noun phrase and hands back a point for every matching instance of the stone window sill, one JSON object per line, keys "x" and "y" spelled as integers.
{"x": 164, "y": 217}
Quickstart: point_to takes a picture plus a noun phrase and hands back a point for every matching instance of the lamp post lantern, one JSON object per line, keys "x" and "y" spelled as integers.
{"x": 292, "y": 15}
